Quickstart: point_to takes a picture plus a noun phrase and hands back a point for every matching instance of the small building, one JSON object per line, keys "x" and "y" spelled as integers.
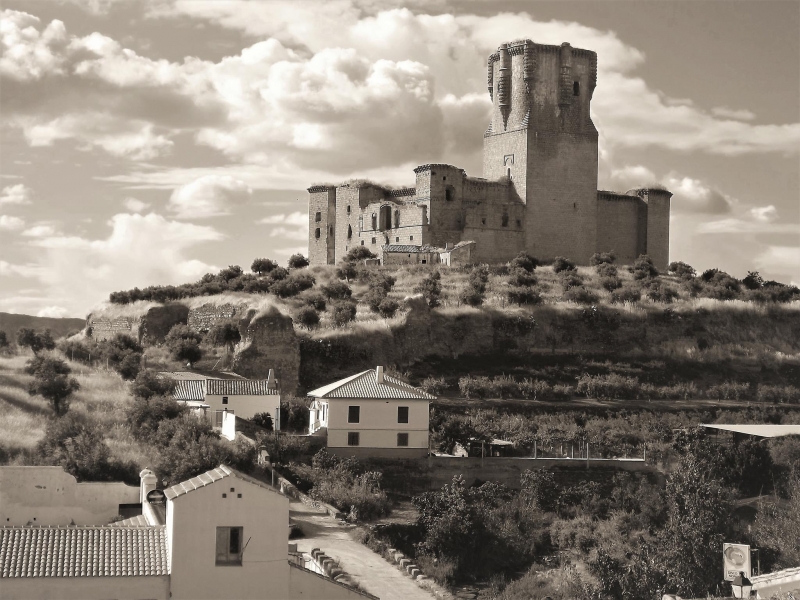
{"x": 770, "y": 585}
{"x": 450, "y": 255}
{"x": 220, "y": 535}
{"x": 372, "y": 414}
{"x": 460, "y": 254}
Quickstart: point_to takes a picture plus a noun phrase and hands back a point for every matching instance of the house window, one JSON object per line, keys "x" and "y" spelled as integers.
{"x": 318, "y": 217}
{"x": 373, "y": 240}
{"x": 424, "y": 261}
{"x": 353, "y": 414}
{"x": 397, "y": 239}
{"x": 402, "y": 439}
{"x": 576, "y": 89}
{"x": 224, "y": 399}
{"x": 229, "y": 546}
{"x": 362, "y": 242}
{"x": 353, "y": 438}
{"x": 402, "y": 414}
{"x": 316, "y": 233}
{"x": 411, "y": 238}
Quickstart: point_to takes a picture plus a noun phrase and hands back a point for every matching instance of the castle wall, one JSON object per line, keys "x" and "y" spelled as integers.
{"x": 658, "y": 202}
{"x": 321, "y": 225}
{"x": 105, "y": 329}
{"x": 204, "y": 317}
{"x": 618, "y": 218}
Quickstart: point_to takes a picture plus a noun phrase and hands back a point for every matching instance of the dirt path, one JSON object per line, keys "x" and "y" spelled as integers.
{"x": 373, "y": 573}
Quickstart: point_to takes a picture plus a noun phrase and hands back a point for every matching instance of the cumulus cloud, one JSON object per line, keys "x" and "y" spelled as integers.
{"x": 57, "y": 312}
{"x": 16, "y": 194}
{"x": 11, "y": 223}
{"x": 780, "y": 259}
{"x": 694, "y": 196}
{"x": 764, "y": 214}
{"x": 741, "y": 114}
{"x": 8, "y": 269}
{"x": 293, "y": 225}
{"x": 135, "y": 205}
{"x": 630, "y": 177}
{"x": 209, "y": 196}
{"x": 39, "y": 231}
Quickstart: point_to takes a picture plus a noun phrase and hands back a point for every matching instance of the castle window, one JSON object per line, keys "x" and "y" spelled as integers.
{"x": 483, "y": 221}
{"x": 444, "y": 178}
{"x": 362, "y": 242}
{"x": 449, "y": 193}
{"x": 397, "y": 218}
{"x": 318, "y": 217}
{"x": 519, "y": 223}
{"x": 411, "y": 237}
{"x": 348, "y": 209}
{"x": 508, "y": 173}
{"x": 576, "y": 89}
{"x": 397, "y": 239}
{"x": 361, "y": 223}
{"x": 374, "y": 221}
{"x": 385, "y": 218}
{"x": 349, "y": 232}
{"x": 504, "y": 222}
{"x": 330, "y": 229}
{"x": 373, "y": 240}
{"x": 316, "y": 233}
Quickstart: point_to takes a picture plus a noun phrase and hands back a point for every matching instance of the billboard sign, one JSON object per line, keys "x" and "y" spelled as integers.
{"x": 735, "y": 560}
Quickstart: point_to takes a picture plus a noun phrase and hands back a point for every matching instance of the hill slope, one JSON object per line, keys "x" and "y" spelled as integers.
{"x": 10, "y": 323}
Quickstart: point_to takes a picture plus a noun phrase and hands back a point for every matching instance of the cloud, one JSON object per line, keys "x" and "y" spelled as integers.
{"x": 8, "y": 270}
{"x": 694, "y": 196}
{"x": 40, "y": 231}
{"x": 29, "y": 54}
{"x": 135, "y": 205}
{"x": 780, "y": 259}
{"x": 57, "y": 312}
{"x": 209, "y": 196}
{"x": 293, "y": 225}
{"x": 764, "y": 214}
{"x": 741, "y": 114}
{"x": 10, "y": 223}
{"x": 631, "y": 177}
{"x": 295, "y": 218}
{"x": 16, "y": 194}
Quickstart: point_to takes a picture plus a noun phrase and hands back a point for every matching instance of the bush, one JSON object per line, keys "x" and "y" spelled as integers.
{"x": 36, "y": 341}
{"x": 478, "y": 278}
{"x": 434, "y": 385}
{"x": 148, "y": 384}
{"x": 602, "y": 258}
{"x": 51, "y": 381}
{"x": 534, "y": 389}
{"x": 678, "y": 391}
{"x": 144, "y": 416}
{"x": 523, "y": 295}
{"x": 570, "y": 279}
{"x": 315, "y": 300}
{"x": 359, "y": 253}
{"x": 382, "y": 281}
{"x": 298, "y": 261}
{"x": 476, "y": 387}
{"x": 608, "y": 387}
{"x": 431, "y": 288}
{"x": 660, "y": 292}
{"x": 730, "y": 390}
{"x": 709, "y": 274}
{"x": 387, "y": 308}
{"x": 521, "y": 278}
{"x": 292, "y": 285}
{"x": 184, "y": 344}
{"x": 524, "y": 261}
{"x": 307, "y": 317}
{"x": 263, "y": 420}
{"x": 625, "y": 295}
{"x": 225, "y": 333}
{"x": 343, "y": 312}
{"x": 581, "y": 295}
{"x": 606, "y": 270}
{"x": 471, "y": 296}
{"x": 682, "y": 270}
{"x": 563, "y": 264}
{"x": 643, "y": 268}
{"x": 610, "y": 283}
{"x": 336, "y": 290}
{"x": 779, "y": 394}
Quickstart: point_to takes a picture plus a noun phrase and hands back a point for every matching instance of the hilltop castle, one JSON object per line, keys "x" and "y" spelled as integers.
{"x": 538, "y": 192}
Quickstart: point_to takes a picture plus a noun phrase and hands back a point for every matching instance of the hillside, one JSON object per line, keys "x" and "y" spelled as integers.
{"x": 10, "y": 323}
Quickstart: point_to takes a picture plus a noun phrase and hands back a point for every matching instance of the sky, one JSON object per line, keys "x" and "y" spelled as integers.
{"x": 151, "y": 142}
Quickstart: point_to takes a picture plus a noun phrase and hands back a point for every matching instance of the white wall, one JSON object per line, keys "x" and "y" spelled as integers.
{"x": 229, "y": 426}
{"x": 192, "y": 520}
{"x": 245, "y": 406}
{"x": 153, "y": 587}
{"x": 52, "y": 496}
{"x": 311, "y": 586}
{"x": 378, "y": 426}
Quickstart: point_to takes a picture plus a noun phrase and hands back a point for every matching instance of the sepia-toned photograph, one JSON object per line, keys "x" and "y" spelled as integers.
{"x": 399, "y": 299}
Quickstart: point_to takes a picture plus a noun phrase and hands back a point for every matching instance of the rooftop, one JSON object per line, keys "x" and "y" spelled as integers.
{"x": 366, "y": 385}
{"x": 767, "y": 431}
{"x": 241, "y": 387}
{"x": 209, "y": 477}
{"x": 83, "y": 551}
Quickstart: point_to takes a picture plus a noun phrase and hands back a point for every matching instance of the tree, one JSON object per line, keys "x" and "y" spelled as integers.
{"x": 148, "y": 384}
{"x": 431, "y": 288}
{"x": 184, "y": 344}
{"x": 124, "y": 354}
{"x": 525, "y": 261}
{"x": 78, "y": 446}
{"x": 682, "y": 270}
{"x": 315, "y": 300}
{"x": 359, "y": 253}
{"x": 51, "y": 381}
{"x": 292, "y": 285}
{"x": 232, "y": 272}
{"x": 263, "y": 420}
{"x": 224, "y": 334}
{"x": 307, "y": 317}
{"x": 346, "y": 270}
{"x": 388, "y": 307}
{"x": 336, "y": 290}
{"x": 145, "y": 415}
{"x": 3, "y": 340}
{"x": 298, "y": 261}
{"x": 753, "y": 281}
{"x": 777, "y": 526}
{"x": 344, "y": 312}
{"x": 262, "y": 266}
{"x": 562, "y": 264}
{"x": 36, "y": 341}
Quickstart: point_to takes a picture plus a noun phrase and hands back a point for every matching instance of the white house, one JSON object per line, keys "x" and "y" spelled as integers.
{"x": 243, "y": 397}
{"x": 372, "y": 414}
{"x": 219, "y": 535}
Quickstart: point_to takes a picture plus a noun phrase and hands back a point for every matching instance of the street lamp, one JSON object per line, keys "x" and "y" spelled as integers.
{"x": 741, "y": 586}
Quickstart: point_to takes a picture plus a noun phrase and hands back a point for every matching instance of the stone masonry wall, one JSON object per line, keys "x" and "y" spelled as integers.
{"x": 268, "y": 342}
{"x": 204, "y": 317}
{"x": 106, "y": 329}
{"x": 618, "y": 226}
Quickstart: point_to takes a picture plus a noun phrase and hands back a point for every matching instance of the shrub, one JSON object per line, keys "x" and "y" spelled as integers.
{"x": 534, "y": 389}
{"x": 581, "y": 295}
{"x": 476, "y": 387}
{"x": 678, "y": 391}
{"x": 779, "y": 394}
{"x": 643, "y": 268}
{"x": 336, "y": 290}
{"x": 693, "y": 287}
{"x": 608, "y": 387}
{"x": 753, "y": 281}
{"x": 374, "y": 297}
{"x": 51, "y": 381}
{"x": 523, "y": 295}
{"x": 570, "y": 279}
{"x": 3, "y": 340}
{"x": 346, "y": 270}
{"x": 682, "y": 270}
{"x": 434, "y": 385}
{"x": 148, "y": 384}
{"x": 478, "y": 278}
{"x": 381, "y": 280}
{"x": 720, "y": 285}
{"x": 431, "y": 289}
{"x": 292, "y": 285}
{"x": 660, "y": 292}
{"x": 359, "y": 253}
{"x": 709, "y": 274}
{"x": 606, "y": 270}
{"x": 315, "y": 300}
{"x": 36, "y": 341}
{"x": 77, "y": 445}
{"x": 388, "y": 307}
{"x": 262, "y": 266}
{"x": 521, "y": 278}
{"x": 626, "y": 294}
{"x": 184, "y": 344}
{"x": 225, "y": 333}
{"x": 470, "y": 296}
{"x": 263, "y": 420}
{"x": 298, "y": 261}
{"x": 610, "y": 283}
{"x": 145, "y": 415}
{"x": 343, "y": 312}
{"x": 562, "y": 264}
{"x": 729, "y": 390}
{"x": 307, "y": 317}
{"x": 524, "y": 261}
{"x": 602, "y": 258}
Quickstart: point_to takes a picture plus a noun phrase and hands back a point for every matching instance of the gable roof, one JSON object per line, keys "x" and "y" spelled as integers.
{"x": 365, "y": 385}
{"x": 83, "y": 551}
{"x": 240, "y": 387}
{"x": 209, "y": 477}
{"x": 189, "y": 389}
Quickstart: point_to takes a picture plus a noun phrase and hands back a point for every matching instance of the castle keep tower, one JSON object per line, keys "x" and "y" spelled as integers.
{"x": 541, "y": 135}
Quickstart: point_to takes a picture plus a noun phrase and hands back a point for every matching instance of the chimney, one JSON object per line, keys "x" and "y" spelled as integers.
{"x": 379, "y": 374}
{"x": 271, "y": 384}
{"x": 148, "y": 483}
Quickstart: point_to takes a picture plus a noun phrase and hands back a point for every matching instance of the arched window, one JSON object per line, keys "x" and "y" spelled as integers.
{"x": 397, "y": 218}
{"x": 374, "y": 221}
{"x": 349, "y": 232}
{"x": 316, "y": 233}
{"x": 385, "y": 218}
{"x": 576, "y": 89}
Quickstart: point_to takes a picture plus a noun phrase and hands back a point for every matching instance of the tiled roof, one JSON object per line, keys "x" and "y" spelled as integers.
{"x": 239, "y": 387}
{"x": 365, "y": 385}
{"x": 789, "y": 575}
{"x": 182, "y": 376}
{"x": 408, "y": 249}
{"x": 137, "y": 521}
{"x": 209, "y": 477}
{"x": 83, "y": 551}
{"x": 194, "y": 389}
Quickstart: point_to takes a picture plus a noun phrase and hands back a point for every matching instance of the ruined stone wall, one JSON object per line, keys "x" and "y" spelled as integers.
{"x": 268, "y": 342}
{"x": 204, "y": 317}
{"x": 618, "y": 217}
{"x": 160, "y": 319}
{"x": 105, "y": 329}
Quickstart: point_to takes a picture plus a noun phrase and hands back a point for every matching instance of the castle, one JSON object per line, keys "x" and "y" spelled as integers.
{"x": 538, "y": 192}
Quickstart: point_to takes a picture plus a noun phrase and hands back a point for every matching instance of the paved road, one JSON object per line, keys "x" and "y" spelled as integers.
{"x": 374, "y": 574}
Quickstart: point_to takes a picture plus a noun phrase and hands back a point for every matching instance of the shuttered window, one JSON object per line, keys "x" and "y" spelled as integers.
{"x": 229, "y": 546}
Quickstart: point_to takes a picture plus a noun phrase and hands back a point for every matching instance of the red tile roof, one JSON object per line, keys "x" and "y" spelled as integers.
{"x": 209, "y": 477}
{"x": 83, "y": 551}
{"x": 239, "y": 387}
{"x": 365, "y": 385}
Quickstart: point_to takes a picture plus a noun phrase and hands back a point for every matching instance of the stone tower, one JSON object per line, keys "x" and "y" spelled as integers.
{"x": 541, "y": 135}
